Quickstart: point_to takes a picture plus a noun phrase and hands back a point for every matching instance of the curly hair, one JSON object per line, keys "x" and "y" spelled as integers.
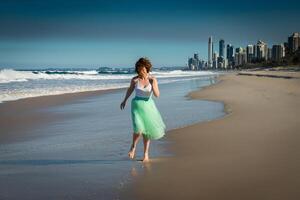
{"x": 143, "y": 62}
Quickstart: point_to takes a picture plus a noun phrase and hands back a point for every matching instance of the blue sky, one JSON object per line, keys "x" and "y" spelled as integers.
{"x": 38, "y": 34}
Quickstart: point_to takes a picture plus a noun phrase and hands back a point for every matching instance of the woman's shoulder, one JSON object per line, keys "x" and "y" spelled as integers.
{"x": 134, "y": 79}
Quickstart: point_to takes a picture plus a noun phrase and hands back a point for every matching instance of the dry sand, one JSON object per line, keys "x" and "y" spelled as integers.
{"x": 252, "y": 153}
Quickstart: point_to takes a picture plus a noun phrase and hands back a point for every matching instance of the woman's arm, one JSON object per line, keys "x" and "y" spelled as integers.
{"x": 155, "y": 86}
{"x": 128, "y": 93}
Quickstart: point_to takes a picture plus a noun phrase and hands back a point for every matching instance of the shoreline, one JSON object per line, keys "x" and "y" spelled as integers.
{"x": 227, "y": 110}
{"x": 250, "y": 153}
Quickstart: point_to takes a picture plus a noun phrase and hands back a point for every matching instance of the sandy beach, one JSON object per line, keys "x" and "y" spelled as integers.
{"x": 251, "y": 153}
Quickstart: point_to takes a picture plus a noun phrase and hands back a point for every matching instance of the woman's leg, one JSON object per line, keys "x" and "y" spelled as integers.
{"x": 135, "y": 139}
{"x": 146, "y": 148}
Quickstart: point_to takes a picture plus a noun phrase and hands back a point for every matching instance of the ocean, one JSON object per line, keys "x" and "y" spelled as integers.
{"x": 19, "y": 84}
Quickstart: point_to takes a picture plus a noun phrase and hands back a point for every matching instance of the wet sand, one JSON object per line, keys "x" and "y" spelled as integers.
{"x": 251, "y": 153}
{"x": 23, "y": 114}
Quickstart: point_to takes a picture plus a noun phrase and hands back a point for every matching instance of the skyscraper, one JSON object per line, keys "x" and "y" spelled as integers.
{"x": 215, "y": 60}
{"x": 222, "y": 48}
{"x": 262, "y": 50}
{"x": 294, "y": 42}
{"x": 269, "y": 56}
{"x": 230, "y": 54}
{"x": 277, "y": 52}
{"x": 194, "y": 62}
{"x": 250, "y": 53}
{"x": 196, "y": 56}
{"x": 210, "y": 52}
{"x": 240, "y": 57}
{"x": 191, "y": 64}
{"x": 255, "y": 54}
{"x": 239, "y": 50}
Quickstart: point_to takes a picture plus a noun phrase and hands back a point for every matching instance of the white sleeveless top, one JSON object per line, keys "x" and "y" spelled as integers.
{"x": 141, "y": 91}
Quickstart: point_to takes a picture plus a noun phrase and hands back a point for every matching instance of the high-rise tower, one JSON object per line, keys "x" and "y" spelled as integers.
{"x": 222, "y": 48}
{"x": 294, "y": 42}
{"x": 210, "y": 52}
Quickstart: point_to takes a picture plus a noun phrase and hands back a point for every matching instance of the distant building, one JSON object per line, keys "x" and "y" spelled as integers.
{"x": 269, "y": 57}
{"x": 262, "y": 50}
{"x": 278, "y": 52}
{"x": 210, "y": 52}
{"x": 222, "y": 48}
{"x": 192, "y": 63}
{"x": 222, "y": 63}
{"x": 230, "y": 55}
{"x": 255, "y": 54}
{"x": 239, "y": 50}
{"x": 195, "y": 63}
{"x": 201, "y": 65}
{"x": 240, "y": 57}
{"x": 230, "y": 52}
{"x": 225, "y": 63}
{"x": 250, "y": 53}
{"x": 294, "y": 42}
{"x": 286, "y": 46}
{"x": 196, "y": 56}
{"x": 215, "y": 60}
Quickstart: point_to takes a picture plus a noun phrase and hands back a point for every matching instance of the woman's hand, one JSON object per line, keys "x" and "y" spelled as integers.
{"x": 153, "y": 79}
{"x": 143, "y": 73}
{"x": 122, "y": 106}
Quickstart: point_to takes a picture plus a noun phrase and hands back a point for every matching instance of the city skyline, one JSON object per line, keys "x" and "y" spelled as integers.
{"x": 257, "y": 53}
{"x": 78, "y": 34}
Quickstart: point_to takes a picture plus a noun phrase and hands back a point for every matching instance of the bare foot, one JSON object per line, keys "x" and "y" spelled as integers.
{"x": 146, "y": 158}
{"x": 131, "y": 153}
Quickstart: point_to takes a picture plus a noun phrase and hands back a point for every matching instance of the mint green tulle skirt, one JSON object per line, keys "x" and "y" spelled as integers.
{"x": 146, "y": 118}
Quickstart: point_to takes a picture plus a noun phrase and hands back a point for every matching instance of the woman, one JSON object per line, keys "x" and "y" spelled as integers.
{"x": 146, "y": 119}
